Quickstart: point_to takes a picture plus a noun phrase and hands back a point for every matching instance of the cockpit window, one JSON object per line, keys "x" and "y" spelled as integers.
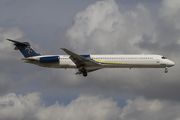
{"x": 163, "y": 57}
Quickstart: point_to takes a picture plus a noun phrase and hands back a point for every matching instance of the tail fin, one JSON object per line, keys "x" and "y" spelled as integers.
{"x": 25, "y": 48}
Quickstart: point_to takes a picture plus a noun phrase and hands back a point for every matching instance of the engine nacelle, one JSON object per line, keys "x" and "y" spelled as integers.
{"x": 49, "y": 59}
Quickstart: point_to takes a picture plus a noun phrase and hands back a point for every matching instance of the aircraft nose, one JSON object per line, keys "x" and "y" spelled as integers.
{"x": 171, "y": 63}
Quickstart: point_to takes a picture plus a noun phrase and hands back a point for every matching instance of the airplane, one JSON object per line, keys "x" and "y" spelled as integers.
{"x": 90, "y": 63}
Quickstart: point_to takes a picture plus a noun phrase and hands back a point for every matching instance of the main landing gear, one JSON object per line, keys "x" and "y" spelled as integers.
{"x": 83, "y": 72}
{"x": 166, "y": 70}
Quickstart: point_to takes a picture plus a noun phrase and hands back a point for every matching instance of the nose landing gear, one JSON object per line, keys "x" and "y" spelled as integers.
{"x": 166, "y": 70}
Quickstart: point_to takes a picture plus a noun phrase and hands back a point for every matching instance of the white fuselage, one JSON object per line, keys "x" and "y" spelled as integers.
{"x": 106, "y": 61}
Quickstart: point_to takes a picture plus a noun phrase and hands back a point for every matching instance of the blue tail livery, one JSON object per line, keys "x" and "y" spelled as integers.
{"x": 25, "y": 48}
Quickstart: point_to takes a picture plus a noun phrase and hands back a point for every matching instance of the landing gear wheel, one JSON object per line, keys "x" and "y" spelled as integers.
{"x": 166, "y": 70}
{"x": 84, "y": 72}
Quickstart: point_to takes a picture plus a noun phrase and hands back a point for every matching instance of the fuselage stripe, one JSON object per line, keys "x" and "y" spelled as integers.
{"x": 108, "y": 62}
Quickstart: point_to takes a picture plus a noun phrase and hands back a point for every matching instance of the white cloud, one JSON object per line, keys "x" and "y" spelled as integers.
{"x": 84, "y": 107}
{"x": 19, "y": 107}
{"x": 94, "y": 17}
{"x": 31, "y": 106}
{"x": 140, "y": 109}
{"x": 103, "y": 26}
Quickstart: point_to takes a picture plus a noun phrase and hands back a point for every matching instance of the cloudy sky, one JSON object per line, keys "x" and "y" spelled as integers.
{"x": 29, "y": 92}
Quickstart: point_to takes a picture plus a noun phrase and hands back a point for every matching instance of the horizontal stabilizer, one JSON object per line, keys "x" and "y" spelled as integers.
{"x": 17, "y": 42}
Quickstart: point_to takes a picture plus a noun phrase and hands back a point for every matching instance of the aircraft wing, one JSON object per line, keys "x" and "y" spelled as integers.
{"x": 80, "y": 60}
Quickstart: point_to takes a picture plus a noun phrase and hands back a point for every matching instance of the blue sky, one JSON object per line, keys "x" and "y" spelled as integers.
{"x": 89, "y": 27}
